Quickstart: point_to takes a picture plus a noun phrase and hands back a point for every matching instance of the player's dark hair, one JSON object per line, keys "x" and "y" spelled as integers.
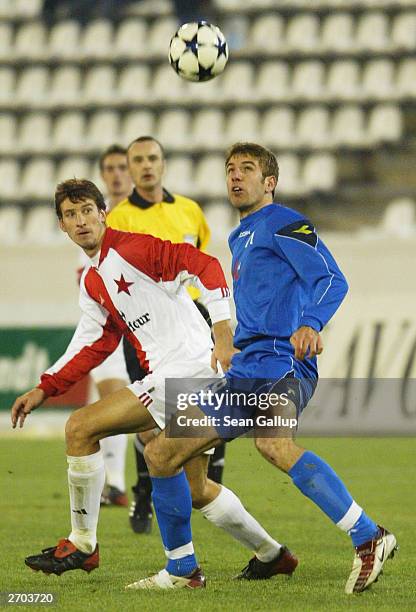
{"x": 77, "y": 190}
{"x": 267, "y": 160}
{"x": 146, "y": 139}
{"x": 115, "y": 149}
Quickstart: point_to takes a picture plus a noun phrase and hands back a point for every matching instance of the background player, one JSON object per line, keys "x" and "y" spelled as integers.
{"x": 151, "y": 209}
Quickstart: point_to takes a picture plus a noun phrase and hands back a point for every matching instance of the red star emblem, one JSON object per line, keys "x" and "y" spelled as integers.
{"x": 123, "y": 285}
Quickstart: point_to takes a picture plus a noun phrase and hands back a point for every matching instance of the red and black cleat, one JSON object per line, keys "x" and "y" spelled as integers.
{"x": 114, "y": 497}
{"x": 63, "y": 557}
{"x": 284, "y": 563}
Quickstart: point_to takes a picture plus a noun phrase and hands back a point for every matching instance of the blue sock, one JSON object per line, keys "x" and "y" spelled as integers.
{"x": 318, "y": 481}
{"x": 173, "y": 506}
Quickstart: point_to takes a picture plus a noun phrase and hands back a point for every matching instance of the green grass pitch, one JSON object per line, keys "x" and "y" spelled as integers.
{"x": 379, "y": 473}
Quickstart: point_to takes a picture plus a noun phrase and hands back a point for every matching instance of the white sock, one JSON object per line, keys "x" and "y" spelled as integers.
{"x": 86, "y": 476}
{"x": 227, "y": 511}
{"x": 114, "y": 453}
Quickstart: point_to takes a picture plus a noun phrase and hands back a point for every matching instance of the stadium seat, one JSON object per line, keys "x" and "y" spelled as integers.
{"x": 290, "y": 183}
{"x": 179, "y": 175}
{"x": 242, "y": 124}
{"x": 320, "y": 173}
{"x": 7, "y": 86}
{"x": 385, "y": 124}
{"x": 343, "y": 81}
{"x": 206, "y": 93}
{"x": 173, "y": 130}
{"x": 27, "y": 9}
{"x": 38, "y": 179}
{"x": 377, "y": 80}
{"x": 6, "y": 9}
{"x": 97, "y": 41}
{"x": 406, "y": 79}
{"x": 220, "y": 218}
{"x": 372, "y": 32}
{"x": 9, "y": 179}
{"x": 6, "y": 42}
{"x": 208, "y": 129}
{"x": 41, "y": 226}
{"x": 73, "y": 167}
{"x": 338, "y": 33}
{"x": 267, "y": 35}
{"x": 65, "y": 87}
{"x": 403, "y": 34}
{"x": 167, "y": 87}
{"x": 8, "y": 128}
{"x": 32, "y": 87}
{"x": 399, "y": 218}
{"x": 278, "y": 128}
{"x": 210, "y": 177}
{"x": 159, "y": 36}
{"x": 312, "y": 129}
{"x": 30, "y": 41}
{"x": 307, "y": 82}
{"x": 69, "y": 132}
{"x": 302, "y": 33}
{"x": 99, "y": 85}
{"x": 11, "y": 221}
{"x": 273, "y": 82}
{"x": 237, "y": 83}
{"x": 136, "y": 124}
{"x": 102, "y": 130}
{"x": 64, "y": 40}
{"x": 133, "y": 85}
{"x": 348, "y": 129}
{"x": 35, "y": 133}
{"x": 130, "y": 39}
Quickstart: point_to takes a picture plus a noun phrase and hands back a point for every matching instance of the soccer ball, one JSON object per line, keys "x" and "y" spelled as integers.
{"x": 198, "y": 51}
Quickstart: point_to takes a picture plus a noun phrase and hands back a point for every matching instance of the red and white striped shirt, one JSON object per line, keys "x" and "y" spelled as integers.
{"x": 136, "y": 286}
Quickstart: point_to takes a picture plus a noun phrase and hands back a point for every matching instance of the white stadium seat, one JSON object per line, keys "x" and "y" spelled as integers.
{"x": 307, "y": 82}
{"x": 6, "y": 42}
{"x": 208, "y": 129}
{"x": 208, "y": 92}
{"x": 73, "y": 167}
{"x": 136, "y": 124}
{"x": 64, "y": 40}
{"x": 290, "y": 181}
{"x": 8, "y": 128}
{"x": 32, "y": 87}
{"x": 38, "y": 179}
{"x": 7, "y": 9}
{"x": 385, "y": 124}
{"x": 399, "y": 218}
{"x": 312, "y": 129}
{"x": 242, "y": 125}
{"x": 348, "y": 127}
{"x": 41, "y": 226}
{"x": 130, "y": 39}
{"x": 69, "y": 132}
{"x": 273, "y": 82}
{"x": 173, "y": 129}
{"x": 30, "y": 42}
{"x": 133, "y": 85}
{"x": 159, "y": 36}
{"x": 343, "y": 81}
{"x": 99, "y": 85}
{"x": 7, "y": 86}
{"x": 210, "y": 177}
{"x": 302, "y": 33}
{"x": 179, "y": 175}
{"x": 378, "y": 80}
{"x": 338, "y": 33}
{"x": 102, "y": 131}
{"x": 372, "y": 32}
{"x": 28, "y": 9}
{"x": 97, "y": 40}
{"x": 220, "y": 218}
{"x": 406, "y": 79}
{"x": 403, "y": 34}
{"x": 167, "y": 87}
{"x": 65, "y": 87}
{"x": 9, "y": 179}
{"x": 237, "y": 84}
{"x": 267, "y": 35}
{"x": 278, "y": 128}
{"x": 320, "y": 172}
{"x": 35, "y": 133}
{"x": 10, "y": 225}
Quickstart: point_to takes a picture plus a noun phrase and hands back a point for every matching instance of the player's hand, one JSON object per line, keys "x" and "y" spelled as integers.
{"x": 223, "y": 348}
{"x": 307, "y": 342}
{"x": 25, "y": 404}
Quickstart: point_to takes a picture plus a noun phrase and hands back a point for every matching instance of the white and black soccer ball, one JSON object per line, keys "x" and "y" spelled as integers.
{"x": 198, "y": 51}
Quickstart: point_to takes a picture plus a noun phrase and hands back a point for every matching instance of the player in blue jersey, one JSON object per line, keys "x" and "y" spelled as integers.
{"x": 287, "y": 286}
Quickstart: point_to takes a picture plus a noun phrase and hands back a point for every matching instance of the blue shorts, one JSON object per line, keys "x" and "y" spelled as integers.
{"x": 259, "y": 370}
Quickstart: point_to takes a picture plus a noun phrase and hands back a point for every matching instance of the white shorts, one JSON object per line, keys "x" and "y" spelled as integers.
{"x": 113, "y": 367}
{"x": 151, "y": 392}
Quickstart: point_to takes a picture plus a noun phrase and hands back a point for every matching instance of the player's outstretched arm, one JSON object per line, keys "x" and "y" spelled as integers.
{"x": 223, "y": 347}
{"x": 307, "y": 342}
{"x": 25, "y": 404}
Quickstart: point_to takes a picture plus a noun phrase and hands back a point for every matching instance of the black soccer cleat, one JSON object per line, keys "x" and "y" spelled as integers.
{"x": 141, "y": 512}
{"x": 284, "y": 563}
{"x": 63, "y": 557}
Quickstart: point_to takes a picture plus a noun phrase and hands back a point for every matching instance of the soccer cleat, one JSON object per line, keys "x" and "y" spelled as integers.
{"x": 63, "y": 557}
{"x": 369, "y": 560}
{"x": 141, "y": 513}
{"x": 111, "y": 496}
{"x": 163, "y": 580}
{"x": 284, "y": 563}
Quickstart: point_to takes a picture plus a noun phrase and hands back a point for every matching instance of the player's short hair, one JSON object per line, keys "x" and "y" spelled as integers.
{"x": 115, "y": 149}
{"x": 267, "y": 160}
{"x": 77, "y": 190}
{"x": 146, "y": 139}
